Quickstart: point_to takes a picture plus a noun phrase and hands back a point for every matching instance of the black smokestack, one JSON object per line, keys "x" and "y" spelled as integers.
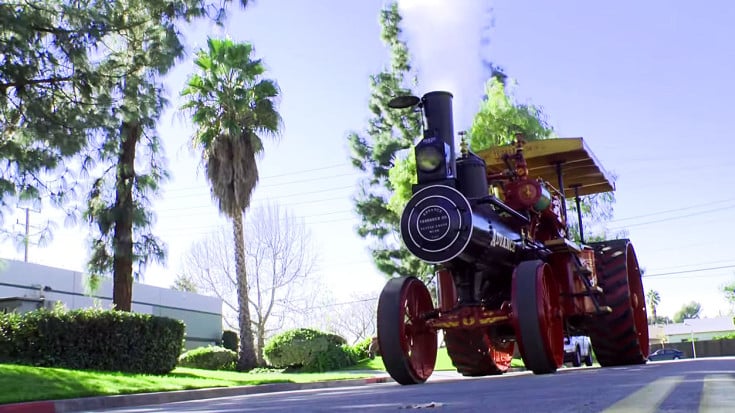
{"x": 438, "y": 111}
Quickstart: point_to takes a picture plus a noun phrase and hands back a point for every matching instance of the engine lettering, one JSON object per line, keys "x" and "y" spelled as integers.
{"x": 433, "y": 223}
{"x": 501, "y": 241}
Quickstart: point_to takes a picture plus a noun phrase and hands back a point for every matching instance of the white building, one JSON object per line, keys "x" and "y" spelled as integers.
{"x": 25, "y": 286}
{"x": 698, "y": 328}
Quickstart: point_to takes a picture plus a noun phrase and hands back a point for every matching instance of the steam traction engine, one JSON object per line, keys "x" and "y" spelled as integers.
{"x": 507, "y": 271}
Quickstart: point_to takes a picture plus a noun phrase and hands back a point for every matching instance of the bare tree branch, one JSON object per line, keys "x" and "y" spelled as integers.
{"x": 279, "y": 261}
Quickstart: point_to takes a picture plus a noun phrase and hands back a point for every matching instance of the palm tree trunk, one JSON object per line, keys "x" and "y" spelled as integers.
{"x": 247, "y": 359}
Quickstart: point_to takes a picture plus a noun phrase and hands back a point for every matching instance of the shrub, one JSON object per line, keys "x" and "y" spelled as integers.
{"x": 209, "y": 358}
{"x": 362, "y": 348}
{"x": 230, "y": 340}
{"x": 91, "y": 339}
{"x": 332, "y": 358}
{"x": 334, "y": 339}
{"x": 353, "y": 353}
{"x": 309, "y": 350}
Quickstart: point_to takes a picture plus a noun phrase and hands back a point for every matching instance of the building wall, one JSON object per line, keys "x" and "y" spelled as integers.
{"x": 702, "y": 336}
{"x": 703, "y": 329}
{"x": 201, "y": 314}
{"x": 706, "y": 348}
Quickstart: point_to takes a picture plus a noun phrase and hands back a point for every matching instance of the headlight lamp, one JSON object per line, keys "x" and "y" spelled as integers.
{"x": 429, "y": 158}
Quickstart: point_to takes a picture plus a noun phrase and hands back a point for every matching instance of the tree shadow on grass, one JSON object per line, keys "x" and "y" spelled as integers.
{"x": 28, "y": 383}
{"x": 43, "y": 384}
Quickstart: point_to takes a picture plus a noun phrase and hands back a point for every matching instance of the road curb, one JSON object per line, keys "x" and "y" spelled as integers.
{"x": 29, "y": 407}
{"x": 141, "y": 399}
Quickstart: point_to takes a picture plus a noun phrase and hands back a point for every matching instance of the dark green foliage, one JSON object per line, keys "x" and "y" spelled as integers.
{"x": 230, "y": 340}
{"x": 500, "y": 118}
{"x": 660, "y": 319}
{"x": 81, "y": 91}
{"x": 46, "y": 96}
{"x": 335, "y": 339}
{"x": 128, "y": 149}
{"x": 209, "y": 358}
{"x": 362, "y": 348}
{"x": 689, "y": 310}
{"x": 309, "y": 350}
{"x": 332, "y": 358}
{"x": 729, "y": 291}
{"x": 91, "y": 339}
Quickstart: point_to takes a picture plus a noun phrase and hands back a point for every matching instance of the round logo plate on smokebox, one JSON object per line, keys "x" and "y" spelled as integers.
{"x": 436, "y": 224}
{"x": 433, "y": 223}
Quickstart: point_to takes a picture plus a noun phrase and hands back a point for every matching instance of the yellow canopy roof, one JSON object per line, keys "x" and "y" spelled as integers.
{"x": 579, "y": 165}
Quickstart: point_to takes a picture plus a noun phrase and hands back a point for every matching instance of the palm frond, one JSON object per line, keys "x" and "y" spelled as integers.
{"x": 232, "y": 107}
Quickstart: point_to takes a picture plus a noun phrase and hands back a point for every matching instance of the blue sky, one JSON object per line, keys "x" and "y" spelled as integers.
{"x": 647, "y": 84}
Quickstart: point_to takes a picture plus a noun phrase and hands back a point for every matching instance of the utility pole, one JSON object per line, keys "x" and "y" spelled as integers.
{"x": 26, "y": 237}
{"x": 27, "y": 231}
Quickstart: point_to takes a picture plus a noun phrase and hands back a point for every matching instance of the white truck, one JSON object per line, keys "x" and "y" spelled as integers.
{"x": 578, "y": 350}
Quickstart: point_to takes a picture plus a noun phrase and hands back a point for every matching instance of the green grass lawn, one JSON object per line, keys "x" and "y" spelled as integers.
{"x": 443, "y": 363}
{"x": 24, "y": 383}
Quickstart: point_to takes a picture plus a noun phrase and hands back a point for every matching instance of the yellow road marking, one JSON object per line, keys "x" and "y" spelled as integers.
{"x": 718, "y": 394}
{"x": 648, "y": 398}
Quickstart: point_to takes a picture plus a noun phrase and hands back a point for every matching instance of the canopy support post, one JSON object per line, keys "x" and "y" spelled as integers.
{"x": 579, "y": 213}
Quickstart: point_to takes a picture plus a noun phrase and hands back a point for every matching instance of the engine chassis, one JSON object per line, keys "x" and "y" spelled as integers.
{"x": 512, "y": 276}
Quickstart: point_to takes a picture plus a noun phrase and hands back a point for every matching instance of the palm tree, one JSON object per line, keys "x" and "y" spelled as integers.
{"x": 654, "y": 299}
{"x": 233, "y": 107}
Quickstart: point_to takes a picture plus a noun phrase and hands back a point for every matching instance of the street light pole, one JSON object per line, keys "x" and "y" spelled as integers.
{"x": 694, "y": 348}
{"x": 691, "y": 335}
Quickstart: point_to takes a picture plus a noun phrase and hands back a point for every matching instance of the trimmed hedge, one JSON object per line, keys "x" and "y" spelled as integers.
{"x": 309, "y": 350}
{"x": 209, "y": 358}
{"x": 230, "y": 340}
{"x": 91, "y": 339}
{"x": 362, "y": 348}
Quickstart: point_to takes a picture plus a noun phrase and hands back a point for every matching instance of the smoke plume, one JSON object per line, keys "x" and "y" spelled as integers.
{"x": 447, "y": 39}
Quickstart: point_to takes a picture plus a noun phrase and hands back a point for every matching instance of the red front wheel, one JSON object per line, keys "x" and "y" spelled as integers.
{"x": 407, "y": 344}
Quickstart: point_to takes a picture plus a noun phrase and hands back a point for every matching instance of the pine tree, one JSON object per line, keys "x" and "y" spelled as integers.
{"x": 81, "y": 81}
{"x": 373, "y": 152}
{"x": 47, "y": 104}
{"x": 145, "y": 44}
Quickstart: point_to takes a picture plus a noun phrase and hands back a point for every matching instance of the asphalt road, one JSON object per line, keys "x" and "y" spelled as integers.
{"x": 701, "y": 385}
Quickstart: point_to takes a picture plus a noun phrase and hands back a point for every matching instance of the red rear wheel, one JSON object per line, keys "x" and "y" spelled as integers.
{"x": 407, "y": 344}
{"x": 620, "y": 337}
{"x": 537, "y": 317}
{"x": 474, "y": 353}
